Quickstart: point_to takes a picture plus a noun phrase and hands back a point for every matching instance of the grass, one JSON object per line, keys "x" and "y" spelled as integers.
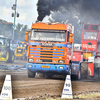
{"x": 90, "y": 95}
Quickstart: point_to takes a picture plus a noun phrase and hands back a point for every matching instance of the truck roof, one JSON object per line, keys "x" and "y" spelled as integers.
{"x": 48, "y": 25}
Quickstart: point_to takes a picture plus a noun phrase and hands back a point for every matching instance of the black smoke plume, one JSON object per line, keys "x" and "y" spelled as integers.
{"x": 84, "y": 7}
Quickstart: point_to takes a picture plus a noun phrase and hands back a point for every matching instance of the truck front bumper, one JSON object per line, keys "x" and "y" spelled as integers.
{"x": 60, "y": 69}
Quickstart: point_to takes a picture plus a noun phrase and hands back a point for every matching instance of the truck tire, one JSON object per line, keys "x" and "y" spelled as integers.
{"x": 31, "y": 74}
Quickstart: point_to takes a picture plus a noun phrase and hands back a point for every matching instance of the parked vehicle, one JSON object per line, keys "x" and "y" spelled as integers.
{"x": 89, "y": 55}
{"x": 6, "y": 53}
{"x": 21, "y": 51}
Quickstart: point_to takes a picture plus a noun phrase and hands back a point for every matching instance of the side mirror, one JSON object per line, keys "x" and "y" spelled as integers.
{"x": 26, "y": 36}
{"x": 70, "y": 38}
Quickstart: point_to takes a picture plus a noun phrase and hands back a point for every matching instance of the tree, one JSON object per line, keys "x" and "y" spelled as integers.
{"x": 20, "y": 32}
{"x": 6, "y": 29}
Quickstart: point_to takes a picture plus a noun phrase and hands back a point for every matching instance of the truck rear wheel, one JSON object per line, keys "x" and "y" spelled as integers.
{"x": 31, "y": 74}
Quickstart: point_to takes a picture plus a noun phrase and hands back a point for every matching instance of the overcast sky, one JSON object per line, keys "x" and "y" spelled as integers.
{"x": 26, "y": 8}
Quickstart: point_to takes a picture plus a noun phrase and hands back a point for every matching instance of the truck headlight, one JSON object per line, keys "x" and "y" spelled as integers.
{"x": 61, "y": 67}
{"x": 29, "y": 65}
{"x": 31, "y": 60}
{"x": 61, "y": 61}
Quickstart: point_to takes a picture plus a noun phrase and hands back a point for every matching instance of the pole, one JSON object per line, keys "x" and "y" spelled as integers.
{"x": 73, "y": 41}
{"x": 14, "y": 19}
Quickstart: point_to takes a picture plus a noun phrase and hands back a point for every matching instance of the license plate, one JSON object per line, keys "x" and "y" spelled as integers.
{"x": 45, "y": 66}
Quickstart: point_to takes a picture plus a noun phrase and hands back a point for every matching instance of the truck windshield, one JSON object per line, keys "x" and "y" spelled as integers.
{"x": 90, "y": 35}
{"x": 48, "y": 35}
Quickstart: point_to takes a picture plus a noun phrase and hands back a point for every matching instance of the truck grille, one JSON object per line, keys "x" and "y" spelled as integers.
{"x": 46, "y": 54}
{"x": 50, "y": 53}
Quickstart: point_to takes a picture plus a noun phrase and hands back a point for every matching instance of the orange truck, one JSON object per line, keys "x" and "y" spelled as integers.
{"x": 50, "y": 49}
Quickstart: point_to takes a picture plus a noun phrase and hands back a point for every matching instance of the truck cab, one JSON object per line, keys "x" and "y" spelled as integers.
{"x": 50, "y": 49}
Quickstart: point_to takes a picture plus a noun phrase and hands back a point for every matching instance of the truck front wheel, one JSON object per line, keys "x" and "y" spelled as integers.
{"x": 31, "y": 74}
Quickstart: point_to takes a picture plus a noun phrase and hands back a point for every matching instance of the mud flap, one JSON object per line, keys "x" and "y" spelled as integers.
{"x": 90, "y": 69}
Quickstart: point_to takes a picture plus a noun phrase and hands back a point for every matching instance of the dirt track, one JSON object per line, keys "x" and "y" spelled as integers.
{"x": 40, "y": 87}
